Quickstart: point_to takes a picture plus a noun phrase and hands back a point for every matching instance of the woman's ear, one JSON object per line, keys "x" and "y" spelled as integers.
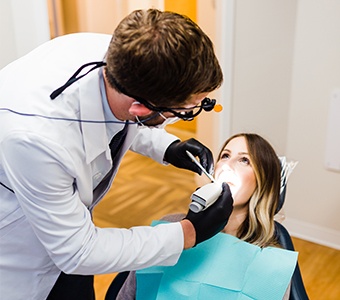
{"x": 138, "y": 109}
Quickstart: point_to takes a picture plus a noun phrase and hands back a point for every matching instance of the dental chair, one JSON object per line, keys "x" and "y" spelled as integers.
{"x": 297, "y": 290}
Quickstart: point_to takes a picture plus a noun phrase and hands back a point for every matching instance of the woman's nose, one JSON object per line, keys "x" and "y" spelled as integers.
{"x": 227, "y": 166}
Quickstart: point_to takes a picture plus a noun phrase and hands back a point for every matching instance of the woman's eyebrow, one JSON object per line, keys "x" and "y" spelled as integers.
{"x": 243, "y": 153}
{"x": 239, "y": 153}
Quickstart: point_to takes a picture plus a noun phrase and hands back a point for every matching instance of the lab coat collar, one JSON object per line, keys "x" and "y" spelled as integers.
{"x": 91, "y": 108}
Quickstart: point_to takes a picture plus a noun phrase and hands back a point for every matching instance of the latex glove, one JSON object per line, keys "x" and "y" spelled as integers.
{"x": 211, "y": 221}
{"x": 176, "y": 155}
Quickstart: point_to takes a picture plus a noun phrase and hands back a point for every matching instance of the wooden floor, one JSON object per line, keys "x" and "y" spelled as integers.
{"x": 145, "y": 190}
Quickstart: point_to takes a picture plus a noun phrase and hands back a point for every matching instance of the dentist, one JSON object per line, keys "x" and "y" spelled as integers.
{"x": 62, "y": 138}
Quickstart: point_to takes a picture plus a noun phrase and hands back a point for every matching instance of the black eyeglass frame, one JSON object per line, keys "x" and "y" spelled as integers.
{"x": 186, "y": 114}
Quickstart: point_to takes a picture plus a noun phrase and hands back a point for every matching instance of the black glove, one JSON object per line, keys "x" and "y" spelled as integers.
{"x": 176, "y": 155}
{"x": 211, "y": 221}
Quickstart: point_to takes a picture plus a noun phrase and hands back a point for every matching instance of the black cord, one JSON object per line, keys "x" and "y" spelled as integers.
{"x": 74, "y": 78}
{"x": 6, "y": 187}
{"x": 73, "y": 120}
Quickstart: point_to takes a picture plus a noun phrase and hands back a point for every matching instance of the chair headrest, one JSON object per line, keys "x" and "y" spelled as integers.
{"x": 286, "y": 169}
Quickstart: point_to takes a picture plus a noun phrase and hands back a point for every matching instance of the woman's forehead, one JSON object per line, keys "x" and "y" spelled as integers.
{"x": 238, "y": 144}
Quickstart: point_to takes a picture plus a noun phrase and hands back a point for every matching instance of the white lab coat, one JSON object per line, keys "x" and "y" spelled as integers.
{"x": 53, "y": 167}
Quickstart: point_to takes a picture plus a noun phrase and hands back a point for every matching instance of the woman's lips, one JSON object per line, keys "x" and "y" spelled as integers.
{"x": 227, "y": 177}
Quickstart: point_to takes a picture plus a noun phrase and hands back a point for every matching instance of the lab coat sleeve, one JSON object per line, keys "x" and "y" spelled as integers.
{"x": 152, "y": 142}
{"x": 42, "y": 175}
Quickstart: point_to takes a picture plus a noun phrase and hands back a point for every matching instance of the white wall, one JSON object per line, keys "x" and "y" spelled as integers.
{"x": 263, "y": 49}
{"x": 24, "y": 26}
{"x": 208, "y": 124}
{"x": 285, "y": 63}
{"x": 216, "y": 18}
{"x": 313, "y": 209}
{"x": 105, "y": 17}
{"x": 257, "y": 61}
{"x": 7, "y": 50}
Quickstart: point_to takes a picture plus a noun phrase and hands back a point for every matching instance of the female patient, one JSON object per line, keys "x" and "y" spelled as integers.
{"x": 251, "y": 168}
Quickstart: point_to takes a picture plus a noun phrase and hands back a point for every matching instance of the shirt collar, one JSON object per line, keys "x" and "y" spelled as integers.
{"x": 112, "y": 128}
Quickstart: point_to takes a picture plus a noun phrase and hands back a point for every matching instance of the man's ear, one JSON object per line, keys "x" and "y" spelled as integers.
{"x": 138, "y": 109}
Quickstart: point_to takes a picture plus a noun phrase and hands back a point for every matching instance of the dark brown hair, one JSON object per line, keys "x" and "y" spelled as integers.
{"x": 163, "y": 57}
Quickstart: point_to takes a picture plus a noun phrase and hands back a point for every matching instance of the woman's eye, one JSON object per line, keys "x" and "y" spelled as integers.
{"x": 245, "y": 160}
{"x": 224, "y": 156}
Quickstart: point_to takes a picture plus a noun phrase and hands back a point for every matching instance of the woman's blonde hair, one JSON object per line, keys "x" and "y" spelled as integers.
{"x": 259, "y": 227}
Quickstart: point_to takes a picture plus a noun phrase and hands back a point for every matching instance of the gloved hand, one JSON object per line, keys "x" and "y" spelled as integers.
{"x": 176, "y": 155}
{"x": 211, "y": 221}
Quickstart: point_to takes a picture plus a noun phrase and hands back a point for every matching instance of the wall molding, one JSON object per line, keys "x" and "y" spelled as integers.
{"x": 312, "y": 233}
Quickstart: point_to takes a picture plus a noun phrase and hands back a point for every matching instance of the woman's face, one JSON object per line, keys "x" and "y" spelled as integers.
{"x": 235, "y": 169}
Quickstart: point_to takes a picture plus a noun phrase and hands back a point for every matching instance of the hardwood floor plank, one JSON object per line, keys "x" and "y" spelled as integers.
{"x": 320, "y": 268}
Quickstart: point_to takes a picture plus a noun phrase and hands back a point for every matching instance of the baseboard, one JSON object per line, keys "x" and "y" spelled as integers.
{"x": 312, "y": 233}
